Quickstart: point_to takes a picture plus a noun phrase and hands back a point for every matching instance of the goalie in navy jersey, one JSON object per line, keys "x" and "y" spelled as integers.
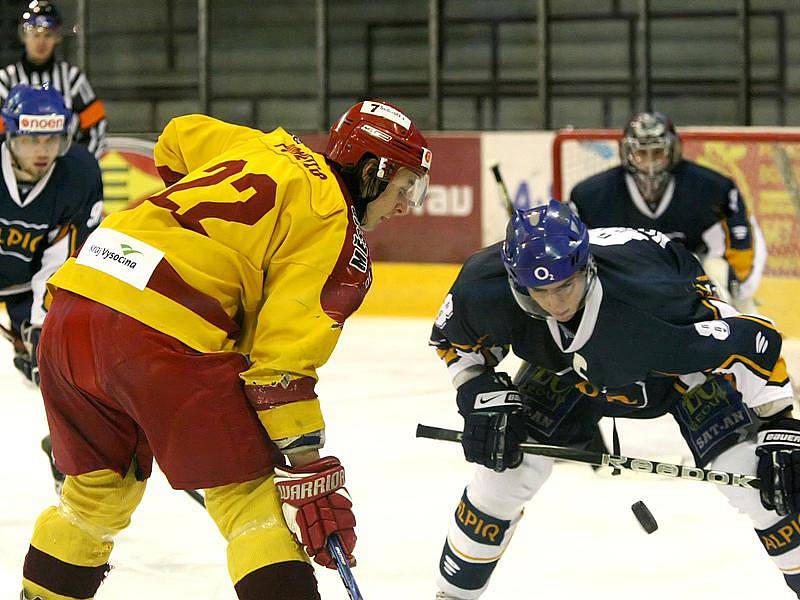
{"x": 656, "y": 188}
{"x": 609, "y": 322}
{"x": 52, "y": 198}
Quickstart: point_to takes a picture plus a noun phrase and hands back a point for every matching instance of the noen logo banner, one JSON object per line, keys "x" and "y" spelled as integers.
{"x": 41, "y": 123}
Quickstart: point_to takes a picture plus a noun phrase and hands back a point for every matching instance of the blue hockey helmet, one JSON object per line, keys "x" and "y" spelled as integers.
{"x": 35, "y": 110}
{"x": 40, "y": 14}
{"x": 545, "y": 244}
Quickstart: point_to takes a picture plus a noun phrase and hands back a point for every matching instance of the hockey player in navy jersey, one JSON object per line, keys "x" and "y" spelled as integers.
{"x": 656, "y": 188}
{"x": 52, "y": 198}
{"x": 610, "y": 322}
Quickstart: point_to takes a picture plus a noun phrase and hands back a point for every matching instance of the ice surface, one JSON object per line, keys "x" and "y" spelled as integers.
{"x": 578, "y": 538}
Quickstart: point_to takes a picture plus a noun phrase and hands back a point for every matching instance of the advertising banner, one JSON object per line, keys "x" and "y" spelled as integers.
{"x": 525, "y": 164}
{"x": 447, "y": 228}
{"x": 129, "y": 174}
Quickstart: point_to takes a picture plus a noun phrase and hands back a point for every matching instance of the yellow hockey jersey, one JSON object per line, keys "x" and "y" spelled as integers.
{"x": 255, "y": 248}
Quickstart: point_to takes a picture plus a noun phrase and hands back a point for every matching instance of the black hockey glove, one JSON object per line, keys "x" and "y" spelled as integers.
{"x": 778, "y": 453}
{"x": 25, "y": 359}
{"x": 494, "y": 421}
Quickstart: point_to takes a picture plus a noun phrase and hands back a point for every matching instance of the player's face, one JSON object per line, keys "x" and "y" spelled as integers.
{"x": 562, "y": 299}
{"x": 396, "y": 200}
{"x": 39, "y": 44}
{"x": 651, "y": 161}
{"x": 35, "y": 153}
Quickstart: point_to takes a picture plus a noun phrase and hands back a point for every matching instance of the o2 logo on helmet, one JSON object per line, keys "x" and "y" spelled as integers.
{"x": 387, "y": 112}
{"x": 543, "y": 274}
{"x": 41, "y": 123}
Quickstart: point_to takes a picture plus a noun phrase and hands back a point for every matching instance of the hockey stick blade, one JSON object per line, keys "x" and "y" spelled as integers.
{"x": 638, "y": 465}
{"x": 343, "y": 566}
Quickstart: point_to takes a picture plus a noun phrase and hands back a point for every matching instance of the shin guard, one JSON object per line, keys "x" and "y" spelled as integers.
{"x": 71, "y": 543}
{"x": 475, "y": 542}
{"x": 782, "y": 543}
{"x": 780, "y": 536}
{"x": 265, "y": 562}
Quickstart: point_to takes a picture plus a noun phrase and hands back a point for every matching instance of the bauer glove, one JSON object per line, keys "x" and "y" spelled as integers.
{"x": 494, "y": 421}
{"x": 315, "y": 505}
{"x": 778, "y": 453}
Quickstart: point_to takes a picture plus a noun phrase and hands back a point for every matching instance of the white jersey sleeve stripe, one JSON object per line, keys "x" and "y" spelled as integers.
{"x": 52, "y": 258}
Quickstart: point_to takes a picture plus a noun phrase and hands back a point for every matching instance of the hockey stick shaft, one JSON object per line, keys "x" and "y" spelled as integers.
{"x": 638, "y": 465}
{"x": 343, "y": 566}
{"x": 8, "y": 334}
{"x": 12, "y": 337}
{"x": 501, "y": 186}
{"x": 197, "y": 497}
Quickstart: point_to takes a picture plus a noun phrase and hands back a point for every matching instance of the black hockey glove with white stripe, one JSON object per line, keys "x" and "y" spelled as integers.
{"x": 778, "y": 453}
{"x": 494, "y": 421}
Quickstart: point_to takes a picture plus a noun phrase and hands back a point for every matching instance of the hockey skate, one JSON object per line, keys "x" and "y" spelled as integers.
{"x": 58, "y": 476}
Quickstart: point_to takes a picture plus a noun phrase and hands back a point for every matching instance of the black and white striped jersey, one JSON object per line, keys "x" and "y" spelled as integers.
{"x": 78, "y": 94}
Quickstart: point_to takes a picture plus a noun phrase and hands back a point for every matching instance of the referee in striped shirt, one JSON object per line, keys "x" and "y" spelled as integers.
{"x": 40, "y": 31}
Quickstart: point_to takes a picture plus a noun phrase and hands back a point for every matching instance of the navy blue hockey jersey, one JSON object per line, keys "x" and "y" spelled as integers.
{"x": 40, "y": 227}
{"x": 700, "y": 208}
{"x": 651, "y": 321}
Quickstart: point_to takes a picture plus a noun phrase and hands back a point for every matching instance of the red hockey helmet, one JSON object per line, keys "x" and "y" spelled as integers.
{"x": 379, "y": 129}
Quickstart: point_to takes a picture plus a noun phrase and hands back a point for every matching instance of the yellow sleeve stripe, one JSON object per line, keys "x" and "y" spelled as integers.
{"x": 679, "y": 387}
{"x": 466, "y": 347}
{"x": 448, "y": 355}
{"x": 741, "y": 261}
{"x": 779, "y": 374}
{"x": 743, "y": 359}
{"x": 292, "y": 419}
{"x": 712, "y": 308}
{"x": 758, "y": 320}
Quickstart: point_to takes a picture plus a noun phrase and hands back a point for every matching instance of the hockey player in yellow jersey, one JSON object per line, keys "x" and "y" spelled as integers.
{"x": 190, "y": 329}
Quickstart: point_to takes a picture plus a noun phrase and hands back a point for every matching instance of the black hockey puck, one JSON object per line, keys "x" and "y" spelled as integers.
{"x": 644, "y": 516}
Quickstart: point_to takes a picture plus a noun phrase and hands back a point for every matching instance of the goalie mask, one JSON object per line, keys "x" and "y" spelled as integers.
{"x": 649, "y": 150}
{"x": 371, "y": 143}
{"x": 545, "y": 246}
